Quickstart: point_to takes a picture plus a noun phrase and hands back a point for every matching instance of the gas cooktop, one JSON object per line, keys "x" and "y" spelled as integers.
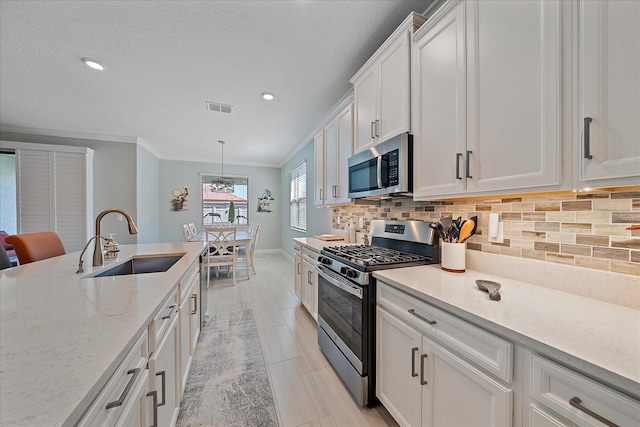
{"x": 368, "y": 258}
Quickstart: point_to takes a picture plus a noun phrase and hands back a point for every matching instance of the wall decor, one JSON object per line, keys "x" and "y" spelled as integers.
{"x": 264, "y": 201}
{"x": 179, "y": 199}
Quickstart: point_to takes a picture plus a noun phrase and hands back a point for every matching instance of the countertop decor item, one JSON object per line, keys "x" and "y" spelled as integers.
{"x": 491, "y": 287}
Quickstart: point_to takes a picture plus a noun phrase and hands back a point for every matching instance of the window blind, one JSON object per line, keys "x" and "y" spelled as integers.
{"x": 298, "y": 198}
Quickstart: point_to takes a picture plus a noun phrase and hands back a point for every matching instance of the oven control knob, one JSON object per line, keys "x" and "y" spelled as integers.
{"x": 351, "y": 273}
{"x": 325, "y": 261}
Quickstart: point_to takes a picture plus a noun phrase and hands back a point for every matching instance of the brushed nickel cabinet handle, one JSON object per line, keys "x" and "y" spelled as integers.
{"x": 155, "y": 407}
{"x": 174, "y": 308}
{"x": 422, "y": 380}
{"x": 372, "y": 125}
{"x": 163, "y": 375}
{"x": 587, "y": 138}
{"x": 321, "y": 198}
{"x": 468, "y": 165}
{"x": 195, "y": 304}
{"x": 413, "y": 362}
{"x": 377, "y": 127}
{"x": 458, "y": 155}
{"x": 335, "y": 191}
{"x": 431, "y": 322}
{"x": 299, "y": 269}
{"x": 126, "y": 390}
{"x": 575, "y": 402}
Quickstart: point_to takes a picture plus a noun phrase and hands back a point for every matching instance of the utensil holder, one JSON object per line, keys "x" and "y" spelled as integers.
{"x": 453, "y": 257}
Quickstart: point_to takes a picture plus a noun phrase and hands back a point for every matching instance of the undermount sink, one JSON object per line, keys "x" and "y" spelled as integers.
{"x": 140, "y": 265}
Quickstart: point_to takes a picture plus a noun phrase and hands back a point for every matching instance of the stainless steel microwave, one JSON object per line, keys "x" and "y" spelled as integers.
{"x": 383, "y": 170}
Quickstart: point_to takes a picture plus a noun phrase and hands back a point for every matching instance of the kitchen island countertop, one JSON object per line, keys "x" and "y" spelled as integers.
{"x": 600, "y": 339}
{"x": 64, "y": 335}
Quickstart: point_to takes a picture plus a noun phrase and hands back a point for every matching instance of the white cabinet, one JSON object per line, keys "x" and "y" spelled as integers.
{"x": 553, "y": 388}
{"x": 124, "y": 395}
{"x": 608, "y": 93}
{"x": 433, "y": 369}
{"x": 310, "y": 282}
{"x": 332, "y": 148}
{"x": 297, "y": 271}
{"x": 319, "y": 193}
{"x": 189, "y": 325}
{"x": 487, "y": 91}
{"x": 382, "y": 89}
{"x": 136, "y": 412}
{"x": 163, "y": 365}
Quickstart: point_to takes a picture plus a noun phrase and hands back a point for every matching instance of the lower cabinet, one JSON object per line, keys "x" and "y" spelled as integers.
{"x": 136, "y": 414}
{"x": 189, "y": 325}
{"x": 310, "y": 288}
{"x": 422, "y": 383}
{"x": 297, "y": 271}
{"x": 164, "y": 369}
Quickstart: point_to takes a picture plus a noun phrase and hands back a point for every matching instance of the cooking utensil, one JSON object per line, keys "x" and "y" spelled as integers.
{"x": 466, "y": 230}
{"x": 475, "y": 225}
{"x": 633, "y": 227}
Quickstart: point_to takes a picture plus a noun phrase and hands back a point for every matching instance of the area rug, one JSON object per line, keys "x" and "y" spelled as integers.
{"x": 228, "y": 384}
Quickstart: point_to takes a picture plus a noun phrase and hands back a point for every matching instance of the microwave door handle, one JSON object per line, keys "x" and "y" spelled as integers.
{"x": 379, "y": 171}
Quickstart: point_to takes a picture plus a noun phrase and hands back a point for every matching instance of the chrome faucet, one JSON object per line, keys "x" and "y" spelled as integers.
{"x": 97, "y": 250}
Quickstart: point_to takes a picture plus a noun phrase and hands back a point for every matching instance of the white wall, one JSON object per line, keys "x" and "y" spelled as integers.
{"x": 147, "y": 178}
{"x": 8, "y": 216}
{"x": 179, "y": 174}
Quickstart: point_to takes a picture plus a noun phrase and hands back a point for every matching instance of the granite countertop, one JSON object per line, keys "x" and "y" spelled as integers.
{"x": 599, "y": 338}
{"x": 63, "y": 335}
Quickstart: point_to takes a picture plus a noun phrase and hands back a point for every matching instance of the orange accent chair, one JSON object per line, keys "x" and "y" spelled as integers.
{"x": 32, "y": 247}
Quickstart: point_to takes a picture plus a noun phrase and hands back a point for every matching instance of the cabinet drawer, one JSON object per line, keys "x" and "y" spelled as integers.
{"x": 578, "y": 398}
{"x": 306, "y": 252}
{"x": 297, "y": 249}
{"x": 162, "y": 319}
{"x": 187, "y": 281}
{"x": 116, "y": 395}
{"x": 487, "y": 351}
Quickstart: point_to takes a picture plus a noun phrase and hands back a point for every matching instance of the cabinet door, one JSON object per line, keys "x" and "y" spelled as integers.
{"x": 310, "y": 288}
{"x": 457, "y": 394}
{"x": 439, "y": 107}
{"x": 319, "y": 194}
{"x": 398, "y": 350}
{"x": 163, "y": 370}
{"x": 194, "y": 314}
{"x": 297, "y": 274}
{"x": 609, "y": 90}
{"x": 135, "y": 413}
{"x": 185, "y": 345}
{"x": 365, "y": 92}
{"x": 394, "y": 100}
{"x": 513, "y": 94}
{"x": 345, "y": 147}
{"x": 331, "y": 161}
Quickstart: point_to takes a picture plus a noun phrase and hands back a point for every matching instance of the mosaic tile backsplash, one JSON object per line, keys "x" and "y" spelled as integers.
{"x": 582, "y": 229}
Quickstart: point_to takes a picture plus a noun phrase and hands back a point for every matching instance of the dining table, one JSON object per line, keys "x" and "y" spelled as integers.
{"x": 243, "y": 238}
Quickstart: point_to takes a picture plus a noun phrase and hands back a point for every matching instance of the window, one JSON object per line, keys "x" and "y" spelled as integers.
{"x": 216, "y": 206}
{"x": 298, "y": 179}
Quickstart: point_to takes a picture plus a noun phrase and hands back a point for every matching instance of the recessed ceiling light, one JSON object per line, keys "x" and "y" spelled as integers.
{"x": 91, "y": 63}
{"x": 268, "y": 96}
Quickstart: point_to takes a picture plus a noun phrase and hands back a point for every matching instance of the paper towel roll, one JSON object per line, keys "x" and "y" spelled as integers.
{"x": 494, "y": 220}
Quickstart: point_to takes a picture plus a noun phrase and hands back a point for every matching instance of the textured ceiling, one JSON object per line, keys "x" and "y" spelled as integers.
{"x": 165, "y": 59}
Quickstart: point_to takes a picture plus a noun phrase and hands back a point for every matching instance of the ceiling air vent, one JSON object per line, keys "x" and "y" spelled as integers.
{"x": 220, "y": 108}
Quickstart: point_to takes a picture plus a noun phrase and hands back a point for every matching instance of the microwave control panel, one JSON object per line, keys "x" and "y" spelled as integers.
{"x": 394, "y": 158}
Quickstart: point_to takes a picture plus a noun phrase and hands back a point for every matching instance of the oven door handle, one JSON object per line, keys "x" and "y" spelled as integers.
{"x": 339, "y": 283}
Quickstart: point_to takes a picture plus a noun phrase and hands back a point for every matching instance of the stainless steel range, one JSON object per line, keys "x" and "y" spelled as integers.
{"x": 347, "y": 297}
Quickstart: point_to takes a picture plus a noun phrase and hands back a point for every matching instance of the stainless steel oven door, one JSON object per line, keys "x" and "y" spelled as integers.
{"x": 341, "y": 309}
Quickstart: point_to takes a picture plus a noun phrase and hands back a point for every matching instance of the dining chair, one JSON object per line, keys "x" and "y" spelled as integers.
{"x": 192, "y": 229}
{"x": 31, "y": 247}
{"x": 222, "y": 249}
{"x": 248, "y": 254}
{"x": 186, "y": 233}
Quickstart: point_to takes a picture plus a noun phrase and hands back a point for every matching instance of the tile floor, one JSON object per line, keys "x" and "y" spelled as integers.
{"x": 306, "y": 389}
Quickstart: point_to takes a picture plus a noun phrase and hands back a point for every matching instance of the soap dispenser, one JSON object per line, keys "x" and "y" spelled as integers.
{"x": 111, "y": 249}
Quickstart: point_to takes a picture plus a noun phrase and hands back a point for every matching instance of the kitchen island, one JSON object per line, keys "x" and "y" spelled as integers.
{"x": 62, "y": 336}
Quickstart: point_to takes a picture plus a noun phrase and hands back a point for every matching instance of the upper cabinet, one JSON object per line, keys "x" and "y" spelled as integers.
{"x": 609, "y": 93}
{"x": 382, "y": 89}
{"x": 487, "y": 89}
{"x": 332, "y": 147}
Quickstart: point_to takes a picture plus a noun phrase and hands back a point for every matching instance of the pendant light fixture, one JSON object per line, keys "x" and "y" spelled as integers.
{"x": 222, "y": 185}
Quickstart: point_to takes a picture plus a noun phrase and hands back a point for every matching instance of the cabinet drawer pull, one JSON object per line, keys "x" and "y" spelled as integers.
{"x": 334, "y": 189}
{"x": 413, "y": 362}
{"x": 575, "y": 402}
{"x": 126, "y": 390}
{"x": 458, "y": 156}
{"x": 372, "y": 125}
{"x": 377, "y": 127}
{"x": 155, "y": 407}
{"x": 163, "y": 375}
{"x": 195, "y": 304}
{"x": 321, "y": 198}
{"x": 468, "y": 166}
{"x": 431, "y": 322}
{"x": 299, "y": 269}
{"x": 587, "y": 142}
{"x": 422, "y": 380}
{"x": 174, "y": 308}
